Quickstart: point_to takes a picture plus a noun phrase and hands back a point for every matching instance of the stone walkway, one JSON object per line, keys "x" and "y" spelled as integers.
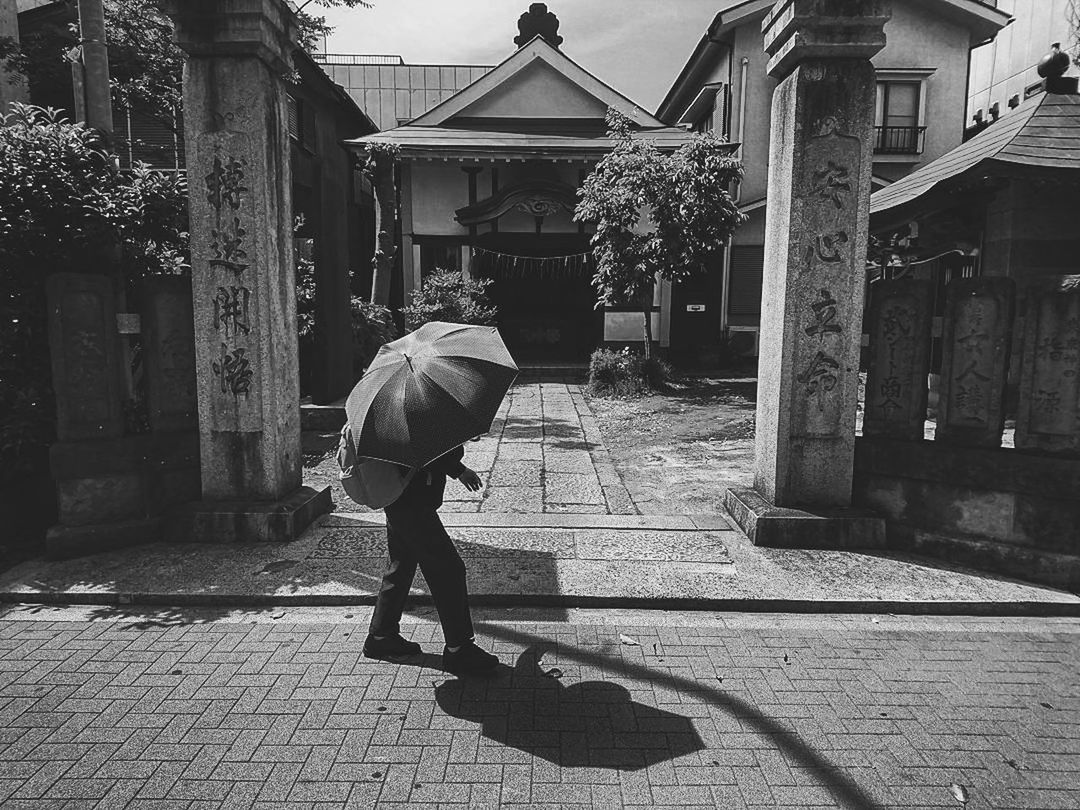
{"x": 543, "y": 454}
{"x": 278, "y": 709}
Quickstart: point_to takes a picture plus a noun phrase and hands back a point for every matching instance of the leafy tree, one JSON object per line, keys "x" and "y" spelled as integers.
{"x": 145, "y": 65}
{"x": 65, "y": 206}
{"x": 379, "y": 168}
{"x": 683, "y": 197}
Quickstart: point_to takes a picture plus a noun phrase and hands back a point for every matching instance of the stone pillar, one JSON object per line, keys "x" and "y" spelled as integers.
{"x": 821, "y": 150}
{"x": 243, "y": 278}
{"x": 334, "y": 376}
{"x": 169, "y": 353}
{"x": 1049, "y": 417}
{"x": 896, "y": 379}
{"x": 976, "y": 344}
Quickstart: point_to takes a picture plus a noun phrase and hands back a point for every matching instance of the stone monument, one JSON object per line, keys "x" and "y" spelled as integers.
{"x": 1049, "y": 417}
{"x": 896, "y": 379}
{"x": 976, "y": 344}
{"x": 243, "y": 277}
{"x": 815, "y": 253}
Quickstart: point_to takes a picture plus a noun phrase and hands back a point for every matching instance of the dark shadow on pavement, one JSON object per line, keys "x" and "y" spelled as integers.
{"x": 593, "y": 724}
{"x": 845, "y": 791}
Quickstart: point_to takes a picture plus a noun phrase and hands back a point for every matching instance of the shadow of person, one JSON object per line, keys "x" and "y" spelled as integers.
{"x": 592, "y": 724}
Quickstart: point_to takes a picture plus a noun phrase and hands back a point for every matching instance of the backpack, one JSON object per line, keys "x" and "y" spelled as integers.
{"x": 370, "y": 481}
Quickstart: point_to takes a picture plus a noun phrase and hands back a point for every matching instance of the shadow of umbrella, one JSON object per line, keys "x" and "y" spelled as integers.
{"x": 593, "y": 724}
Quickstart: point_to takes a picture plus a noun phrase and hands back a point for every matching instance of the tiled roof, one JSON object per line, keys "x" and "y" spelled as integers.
{"x": 440, "y": 142}
{"x": 1043, "y": 134}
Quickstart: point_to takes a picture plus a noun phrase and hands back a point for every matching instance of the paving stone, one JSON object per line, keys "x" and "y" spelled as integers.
{"x": 516, "y": 474}
{"x": 575, "y": 509}
{"x": 520, "y": 451}
{"x": 513, "y": 499}
{"x": 705, "y": 547}
{"x": 558, "y": 460}
{"x": 560, "y": 487}
{"x": 618, "y": 500}
{"x": 513, "y": 543}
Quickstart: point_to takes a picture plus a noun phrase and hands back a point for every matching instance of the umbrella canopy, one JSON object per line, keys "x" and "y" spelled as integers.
{"x": 429, "y": 392}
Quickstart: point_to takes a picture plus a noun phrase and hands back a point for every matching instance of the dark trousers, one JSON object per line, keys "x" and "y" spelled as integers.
{"x": 415, "y": 536}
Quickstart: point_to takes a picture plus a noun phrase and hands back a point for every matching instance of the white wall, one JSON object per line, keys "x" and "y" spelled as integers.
{"x": 438, "y": 190}
{"x": 917, "y": 38}
{"x": 1006, "y": 66}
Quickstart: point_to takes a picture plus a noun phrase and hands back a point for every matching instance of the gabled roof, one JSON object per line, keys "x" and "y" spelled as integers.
{"x": 536, "y": 53}
{"x": 1041, "y": 136}
{"x": 983, "y": 22}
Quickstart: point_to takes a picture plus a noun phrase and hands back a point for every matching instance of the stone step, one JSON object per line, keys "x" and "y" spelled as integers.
{"x": 550, "y": 520}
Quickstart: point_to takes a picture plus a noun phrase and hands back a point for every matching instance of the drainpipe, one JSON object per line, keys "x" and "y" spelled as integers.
{"x": 726, "y": 285}
{"x": 743, "y": 68}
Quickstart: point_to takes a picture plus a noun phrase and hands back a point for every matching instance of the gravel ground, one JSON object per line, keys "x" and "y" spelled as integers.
{"x": 678, "y": 451}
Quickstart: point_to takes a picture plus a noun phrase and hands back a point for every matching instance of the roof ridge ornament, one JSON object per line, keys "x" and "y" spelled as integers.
{"x": 1052, "y": 69}
{"x": 538, "y": 22}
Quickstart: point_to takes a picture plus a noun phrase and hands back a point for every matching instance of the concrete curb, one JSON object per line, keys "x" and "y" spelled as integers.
{"x": 1025, "y": 608}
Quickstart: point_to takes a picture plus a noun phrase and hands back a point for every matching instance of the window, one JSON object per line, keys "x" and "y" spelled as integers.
{"x": 705, "y": 122}
{"x": 897, "y": 114}
{"x": 745, "y": 282}
{"x": 439, "y": 253}
{"x": 301, "y": 122}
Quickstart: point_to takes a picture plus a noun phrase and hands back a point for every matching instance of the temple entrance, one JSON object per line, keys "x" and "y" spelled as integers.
{"x": 542, "y": 289}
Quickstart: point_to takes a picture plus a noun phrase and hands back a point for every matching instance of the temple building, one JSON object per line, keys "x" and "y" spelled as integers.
{"x": 486, "y": 183}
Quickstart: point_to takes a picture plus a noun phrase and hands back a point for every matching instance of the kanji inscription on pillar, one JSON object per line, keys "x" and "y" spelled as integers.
{"x": 975, "y": 356}
{"x": 1049, "y": 414}
{"x": 896, "y": 382}
{"x": 225, "y": 266}
{"x": 825, "y": 270}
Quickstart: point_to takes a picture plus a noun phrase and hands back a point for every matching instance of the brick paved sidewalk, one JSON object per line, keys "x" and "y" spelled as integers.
{"x": 279, "y": 709}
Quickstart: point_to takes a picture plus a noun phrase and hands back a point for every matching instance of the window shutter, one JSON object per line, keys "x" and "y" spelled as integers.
{"x": 747, "y": 273}
{"x": 293, "y": 108}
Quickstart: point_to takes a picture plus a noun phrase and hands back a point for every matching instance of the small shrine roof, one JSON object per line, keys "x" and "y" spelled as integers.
{"x": 1040, "y": 137}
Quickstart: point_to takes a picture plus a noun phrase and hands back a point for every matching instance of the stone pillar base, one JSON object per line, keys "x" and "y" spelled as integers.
{"x": 249, "y": 521}
{"x": 63, "y": 542}
{"x": 779, "y": 527}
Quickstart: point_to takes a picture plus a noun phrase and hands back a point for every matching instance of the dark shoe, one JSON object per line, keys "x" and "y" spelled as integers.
{"x": 390, "y": 647}
{"x": 469, "y": 660}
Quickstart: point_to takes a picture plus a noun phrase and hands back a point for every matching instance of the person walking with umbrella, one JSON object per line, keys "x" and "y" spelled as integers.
{"x": 419, "y": 401}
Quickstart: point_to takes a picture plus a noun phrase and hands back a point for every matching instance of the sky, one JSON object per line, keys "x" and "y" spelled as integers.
{"x": 636, "y": 46}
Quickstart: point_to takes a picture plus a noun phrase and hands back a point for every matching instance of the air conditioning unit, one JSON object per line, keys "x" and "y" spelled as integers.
{"x": 744, "y": 340}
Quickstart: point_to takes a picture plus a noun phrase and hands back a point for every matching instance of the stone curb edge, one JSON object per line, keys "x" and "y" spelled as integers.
{"x": 1025, "y": 608}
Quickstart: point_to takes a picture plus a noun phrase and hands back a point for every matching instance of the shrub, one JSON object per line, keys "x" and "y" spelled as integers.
{"x": 64, "y": 205}
{"x": 625, "y": 373}
{"x": 446, "y": 295}
{"x": 372, "y": 326}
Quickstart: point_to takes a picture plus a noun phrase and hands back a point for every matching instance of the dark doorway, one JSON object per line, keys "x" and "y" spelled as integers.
{"x": 696, "y": 314}
{"x": 542, "y": 288}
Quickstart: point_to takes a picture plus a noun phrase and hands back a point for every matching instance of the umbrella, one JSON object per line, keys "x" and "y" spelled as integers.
{"x": 429, "y": 392}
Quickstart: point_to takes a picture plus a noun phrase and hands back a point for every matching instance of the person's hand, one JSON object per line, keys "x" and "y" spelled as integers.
{"x": 471, "y": 480}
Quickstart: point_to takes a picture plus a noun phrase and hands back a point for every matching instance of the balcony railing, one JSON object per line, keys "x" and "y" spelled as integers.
{"x": 357, "y": 59}
{"x": 899, "y": 140}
